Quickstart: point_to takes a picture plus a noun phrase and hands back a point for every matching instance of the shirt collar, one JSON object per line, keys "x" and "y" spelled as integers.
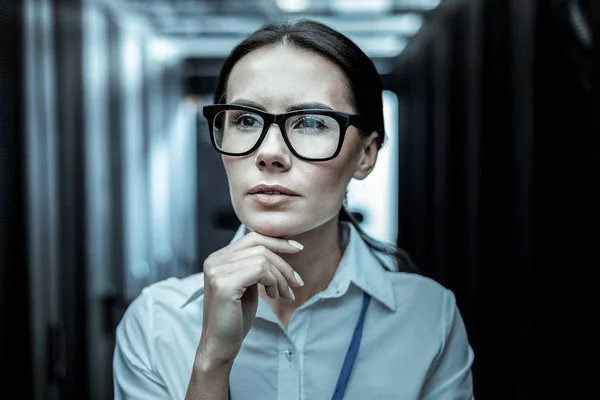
{"x": 359, "y": 266}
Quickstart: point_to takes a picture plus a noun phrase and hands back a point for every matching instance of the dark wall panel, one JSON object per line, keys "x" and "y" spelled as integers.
{"x": 496, "y": 176}
{"x": 14, "y": 304}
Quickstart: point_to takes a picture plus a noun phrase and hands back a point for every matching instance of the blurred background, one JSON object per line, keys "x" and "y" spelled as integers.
{"x": 108, "y": 183}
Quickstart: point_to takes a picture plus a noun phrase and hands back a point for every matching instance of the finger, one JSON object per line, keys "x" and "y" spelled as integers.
{"x": 288, "y": 272}
{"x": 252, "y": 239}
{"x": 271, "y": 290}
{"x": 250, "y": 272}
{"x": 281, "y": 289}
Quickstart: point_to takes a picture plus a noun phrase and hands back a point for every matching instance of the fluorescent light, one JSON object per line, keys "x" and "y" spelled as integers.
{"x": 418, "y": 4}
{"x": 406, "y": 24}
{"x": 293, "y": 5}
{"x": 361, "y": 6}
{"x": 162, "y": 49}
{"x": 380, "y": 46}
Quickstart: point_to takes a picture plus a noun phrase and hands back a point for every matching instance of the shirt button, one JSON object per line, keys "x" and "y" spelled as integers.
{"x": 289, "y": 354}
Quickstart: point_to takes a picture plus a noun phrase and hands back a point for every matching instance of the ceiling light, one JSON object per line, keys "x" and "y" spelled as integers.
{"x": 387, "y": 46}
{"x": 293, "y": 5}
{"x": 362, "y": 6}
{"x": 162, "y": 49}
{"x": 418, "y": 4}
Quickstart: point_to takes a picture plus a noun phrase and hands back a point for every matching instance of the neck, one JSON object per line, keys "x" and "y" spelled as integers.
{"x": 316, "y": 264}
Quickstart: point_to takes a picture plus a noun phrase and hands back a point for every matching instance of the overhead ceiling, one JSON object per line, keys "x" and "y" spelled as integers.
{"x": 210, "y": 28}
{"x": 207, "y": 17}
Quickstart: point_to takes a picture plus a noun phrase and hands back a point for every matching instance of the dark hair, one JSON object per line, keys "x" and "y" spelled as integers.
{"x": 362, "y": 79}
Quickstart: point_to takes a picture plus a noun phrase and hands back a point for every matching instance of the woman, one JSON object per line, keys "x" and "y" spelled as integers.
{"x": 301, "y": 304}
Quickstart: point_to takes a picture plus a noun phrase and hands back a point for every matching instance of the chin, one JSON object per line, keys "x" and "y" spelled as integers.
{"x": 282, "y": 223}
{"x": 281, "y": 226}
{"x": 274, "y": 227}
{"x": 273, "y": 223}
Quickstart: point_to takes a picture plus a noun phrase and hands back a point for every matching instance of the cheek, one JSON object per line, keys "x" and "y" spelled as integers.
{"x": 326, "y": 179}
{"x": 345, "y": 163}
{"x": 331, "y": 179}
{"x": 236, "y": 173}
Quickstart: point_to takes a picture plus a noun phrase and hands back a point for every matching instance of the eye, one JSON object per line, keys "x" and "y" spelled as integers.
{"x": 311, "y": 122}
{"x": 246, "y": 121}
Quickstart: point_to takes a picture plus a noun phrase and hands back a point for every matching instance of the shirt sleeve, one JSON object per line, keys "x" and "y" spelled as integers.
{"x": 451, "y": 377}
{"x": 134, "y": 373}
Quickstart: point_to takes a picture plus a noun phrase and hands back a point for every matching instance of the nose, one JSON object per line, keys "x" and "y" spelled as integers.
{"x": 273, "y": 153}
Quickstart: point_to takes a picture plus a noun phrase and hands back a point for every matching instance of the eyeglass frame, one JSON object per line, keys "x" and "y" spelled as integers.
{"x": 344, "y": 120}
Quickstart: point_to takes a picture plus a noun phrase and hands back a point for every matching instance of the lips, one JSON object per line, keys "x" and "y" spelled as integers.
{"x": 272, "y": 190}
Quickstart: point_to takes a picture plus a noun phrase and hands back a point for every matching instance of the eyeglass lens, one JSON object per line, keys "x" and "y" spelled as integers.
{"x": 310, "y": 135}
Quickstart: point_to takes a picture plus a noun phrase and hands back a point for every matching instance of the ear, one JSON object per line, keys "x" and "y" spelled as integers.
{"x": 367, "y": 156}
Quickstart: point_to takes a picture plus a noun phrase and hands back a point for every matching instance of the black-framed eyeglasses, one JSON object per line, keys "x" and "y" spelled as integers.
{"x": 314, "y": 134}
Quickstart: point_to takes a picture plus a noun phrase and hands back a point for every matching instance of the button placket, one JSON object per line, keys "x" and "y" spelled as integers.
{"x": 289, "y": 383}
{"x": 289, "y": 354}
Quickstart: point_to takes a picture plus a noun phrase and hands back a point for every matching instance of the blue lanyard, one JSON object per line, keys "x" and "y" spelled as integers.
{"x": 342, "y": 383}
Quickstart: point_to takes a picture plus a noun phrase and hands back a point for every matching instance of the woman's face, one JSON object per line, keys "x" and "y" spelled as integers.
{"x": 278, "y": 79}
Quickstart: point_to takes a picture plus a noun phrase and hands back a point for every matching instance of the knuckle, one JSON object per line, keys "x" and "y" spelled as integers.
{"x": 209, "y": 271}
{"x": 262, "y": 259}
{"x": 265, "y": 263}
{"x": 218, "y": 285}
{"x": 209, "y": 262}
{"x": 262, "y": 250}
{"x": 260, "y": 268}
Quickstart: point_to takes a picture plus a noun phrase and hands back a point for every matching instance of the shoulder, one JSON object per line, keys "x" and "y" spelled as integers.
{"x": 430, "y": 312}
{"x": 174, "y": 292}
{"x": 153, "y": 318}
{"x": 409, "y": 287}
{"x": 425, "y": 297}
{"x": 160, "y": 299}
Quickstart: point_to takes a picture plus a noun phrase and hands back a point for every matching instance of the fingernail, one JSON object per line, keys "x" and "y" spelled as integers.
{"x": 292, "y": 293}
{"x": 296, "y": 244}
{"x": 298, "y": 278}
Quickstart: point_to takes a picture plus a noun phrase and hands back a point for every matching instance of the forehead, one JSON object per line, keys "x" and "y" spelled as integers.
{"x": 280, "y": 76}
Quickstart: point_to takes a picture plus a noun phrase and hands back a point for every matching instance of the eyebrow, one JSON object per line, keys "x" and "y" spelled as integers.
{"x": 294, "y": 107}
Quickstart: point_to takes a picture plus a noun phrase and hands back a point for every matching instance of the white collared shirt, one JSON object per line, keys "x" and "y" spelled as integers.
{"x": 414, "y": 344}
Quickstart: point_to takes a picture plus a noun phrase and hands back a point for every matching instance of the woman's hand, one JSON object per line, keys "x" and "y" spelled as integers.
{"x": 231, "y": 278}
